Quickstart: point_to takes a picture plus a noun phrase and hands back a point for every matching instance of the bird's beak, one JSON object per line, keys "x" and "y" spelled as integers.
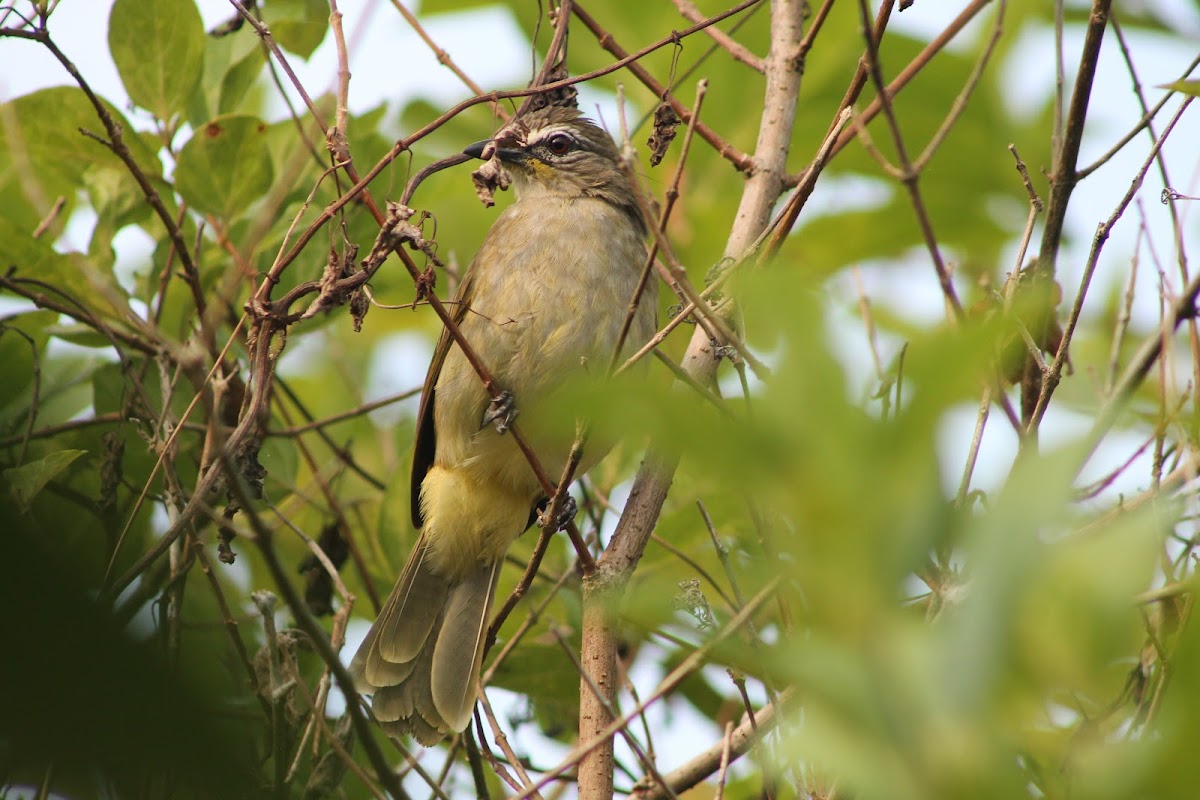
{"x": 503, "y": 153}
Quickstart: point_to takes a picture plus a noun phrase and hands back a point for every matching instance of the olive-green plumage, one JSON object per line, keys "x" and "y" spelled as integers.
{"x": 544, "y": 299}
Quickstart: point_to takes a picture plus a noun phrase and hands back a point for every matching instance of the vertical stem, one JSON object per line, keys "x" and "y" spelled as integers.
{"x": 599, "y": 660}
{"x": 1063, "y": 182}
{"x": 603, "y": 588}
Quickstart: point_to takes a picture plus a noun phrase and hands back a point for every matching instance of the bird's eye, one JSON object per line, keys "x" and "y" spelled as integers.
{"x": 559, "y": 144}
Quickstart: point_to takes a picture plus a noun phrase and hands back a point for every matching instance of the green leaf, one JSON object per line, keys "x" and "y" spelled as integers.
{"x": 44, "y": 154}
{"x": 117, "y": 202}
{"x": 1186, "y": 87}
{"x": 88, "y": 282}
{"x": 25, "y": 482}
{"x": 30, "y": 257}
{"x": 298, "y": 25}
{"x": 80, "y": 334}
{"x": 225, "y": 166}
{"x": 279, "y": 458}
{"x": 159, "y": 50}
{"x": 22, "y": 339}
{"x": 231, "y": 63}
{"x": 540, "y": 672}
{"x": 239, "y": 79}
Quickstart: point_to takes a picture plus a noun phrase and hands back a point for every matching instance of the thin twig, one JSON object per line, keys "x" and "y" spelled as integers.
{"x": 736, "y": 50}
{"x": 672, "y": 196}
{"x": 910, "y": 175}
{"x": 743, "y": 162}
{"x": 666, "y": 686}
{"x": 1052, "y": 377}
{"x": 502, "y": 740}
{"x": 1062, "y": 184}
{"x": 304, "y": 619}
{"x": 443, "y": 57}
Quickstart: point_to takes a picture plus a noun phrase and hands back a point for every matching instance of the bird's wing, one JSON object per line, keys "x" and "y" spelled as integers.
{"x": 425, "y": 447}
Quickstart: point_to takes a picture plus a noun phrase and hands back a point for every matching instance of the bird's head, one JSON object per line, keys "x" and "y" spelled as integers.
{"x": 558, "y": 151}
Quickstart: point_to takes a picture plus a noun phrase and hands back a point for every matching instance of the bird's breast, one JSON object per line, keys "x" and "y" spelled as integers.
{"x": 552, "y": 285}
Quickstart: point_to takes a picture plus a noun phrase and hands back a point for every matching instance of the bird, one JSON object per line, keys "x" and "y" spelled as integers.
{"x": 542, "y": 304}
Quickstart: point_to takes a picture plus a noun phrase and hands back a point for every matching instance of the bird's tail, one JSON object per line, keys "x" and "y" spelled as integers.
{"x": 421, "y": 658}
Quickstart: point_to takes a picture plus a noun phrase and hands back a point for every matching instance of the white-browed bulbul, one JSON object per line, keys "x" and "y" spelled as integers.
{"x": 543, "y": 301}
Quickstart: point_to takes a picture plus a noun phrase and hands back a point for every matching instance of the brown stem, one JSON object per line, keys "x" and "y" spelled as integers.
{"x": 707, "y": 763}
{"x": 653, "y": 481}
{"x": 1062, "y": 184}
{"x": 737, "y": 51}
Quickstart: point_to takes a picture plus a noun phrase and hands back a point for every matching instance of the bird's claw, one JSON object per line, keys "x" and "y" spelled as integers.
{"x": 566, "y": 514}
{"x": 500, "y": 413}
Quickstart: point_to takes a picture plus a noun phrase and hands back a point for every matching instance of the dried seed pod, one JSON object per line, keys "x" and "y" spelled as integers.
{"x": 665, "y": 123}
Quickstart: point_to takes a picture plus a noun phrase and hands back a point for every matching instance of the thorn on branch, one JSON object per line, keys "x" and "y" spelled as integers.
{"x": 98, "y": 138}
{"x": 1034, "y": 200}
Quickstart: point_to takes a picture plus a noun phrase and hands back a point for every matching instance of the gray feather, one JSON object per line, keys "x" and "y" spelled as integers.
{"x": 392, "y": 703}
{"x": 380, "y": 672}
{"x": 459, "y": 648}
{"x": 411, "y": 611}
{"x": 420, "y": 660}
{"x": 388, "y": 654}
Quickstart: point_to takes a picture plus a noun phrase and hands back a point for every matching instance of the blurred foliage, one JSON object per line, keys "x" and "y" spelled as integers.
{"x": 1025, "y": 641}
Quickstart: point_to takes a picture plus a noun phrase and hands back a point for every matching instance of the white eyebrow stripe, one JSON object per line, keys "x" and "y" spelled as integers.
{"x": 546, "y": 133}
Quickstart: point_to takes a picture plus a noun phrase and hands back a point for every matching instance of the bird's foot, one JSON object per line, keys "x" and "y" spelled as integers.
{"x": 566, "y": 514}
{"x": 500, "y": 413}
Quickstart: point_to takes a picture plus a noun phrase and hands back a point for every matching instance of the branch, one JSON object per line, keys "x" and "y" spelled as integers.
{"x": 704, "y": 764}
{"x": 762, "y": 191}
{"x": 304, "y": 620}
{"x": 443, "y": 57}
{"x": 1184, "y": 309}
{"x": 1062, "y": 184}
{"x": 737, "y": 51}
{"x": 689, "y": 665}
{"x": 1065, "y": 177}
{"x": 743, "y": 162}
